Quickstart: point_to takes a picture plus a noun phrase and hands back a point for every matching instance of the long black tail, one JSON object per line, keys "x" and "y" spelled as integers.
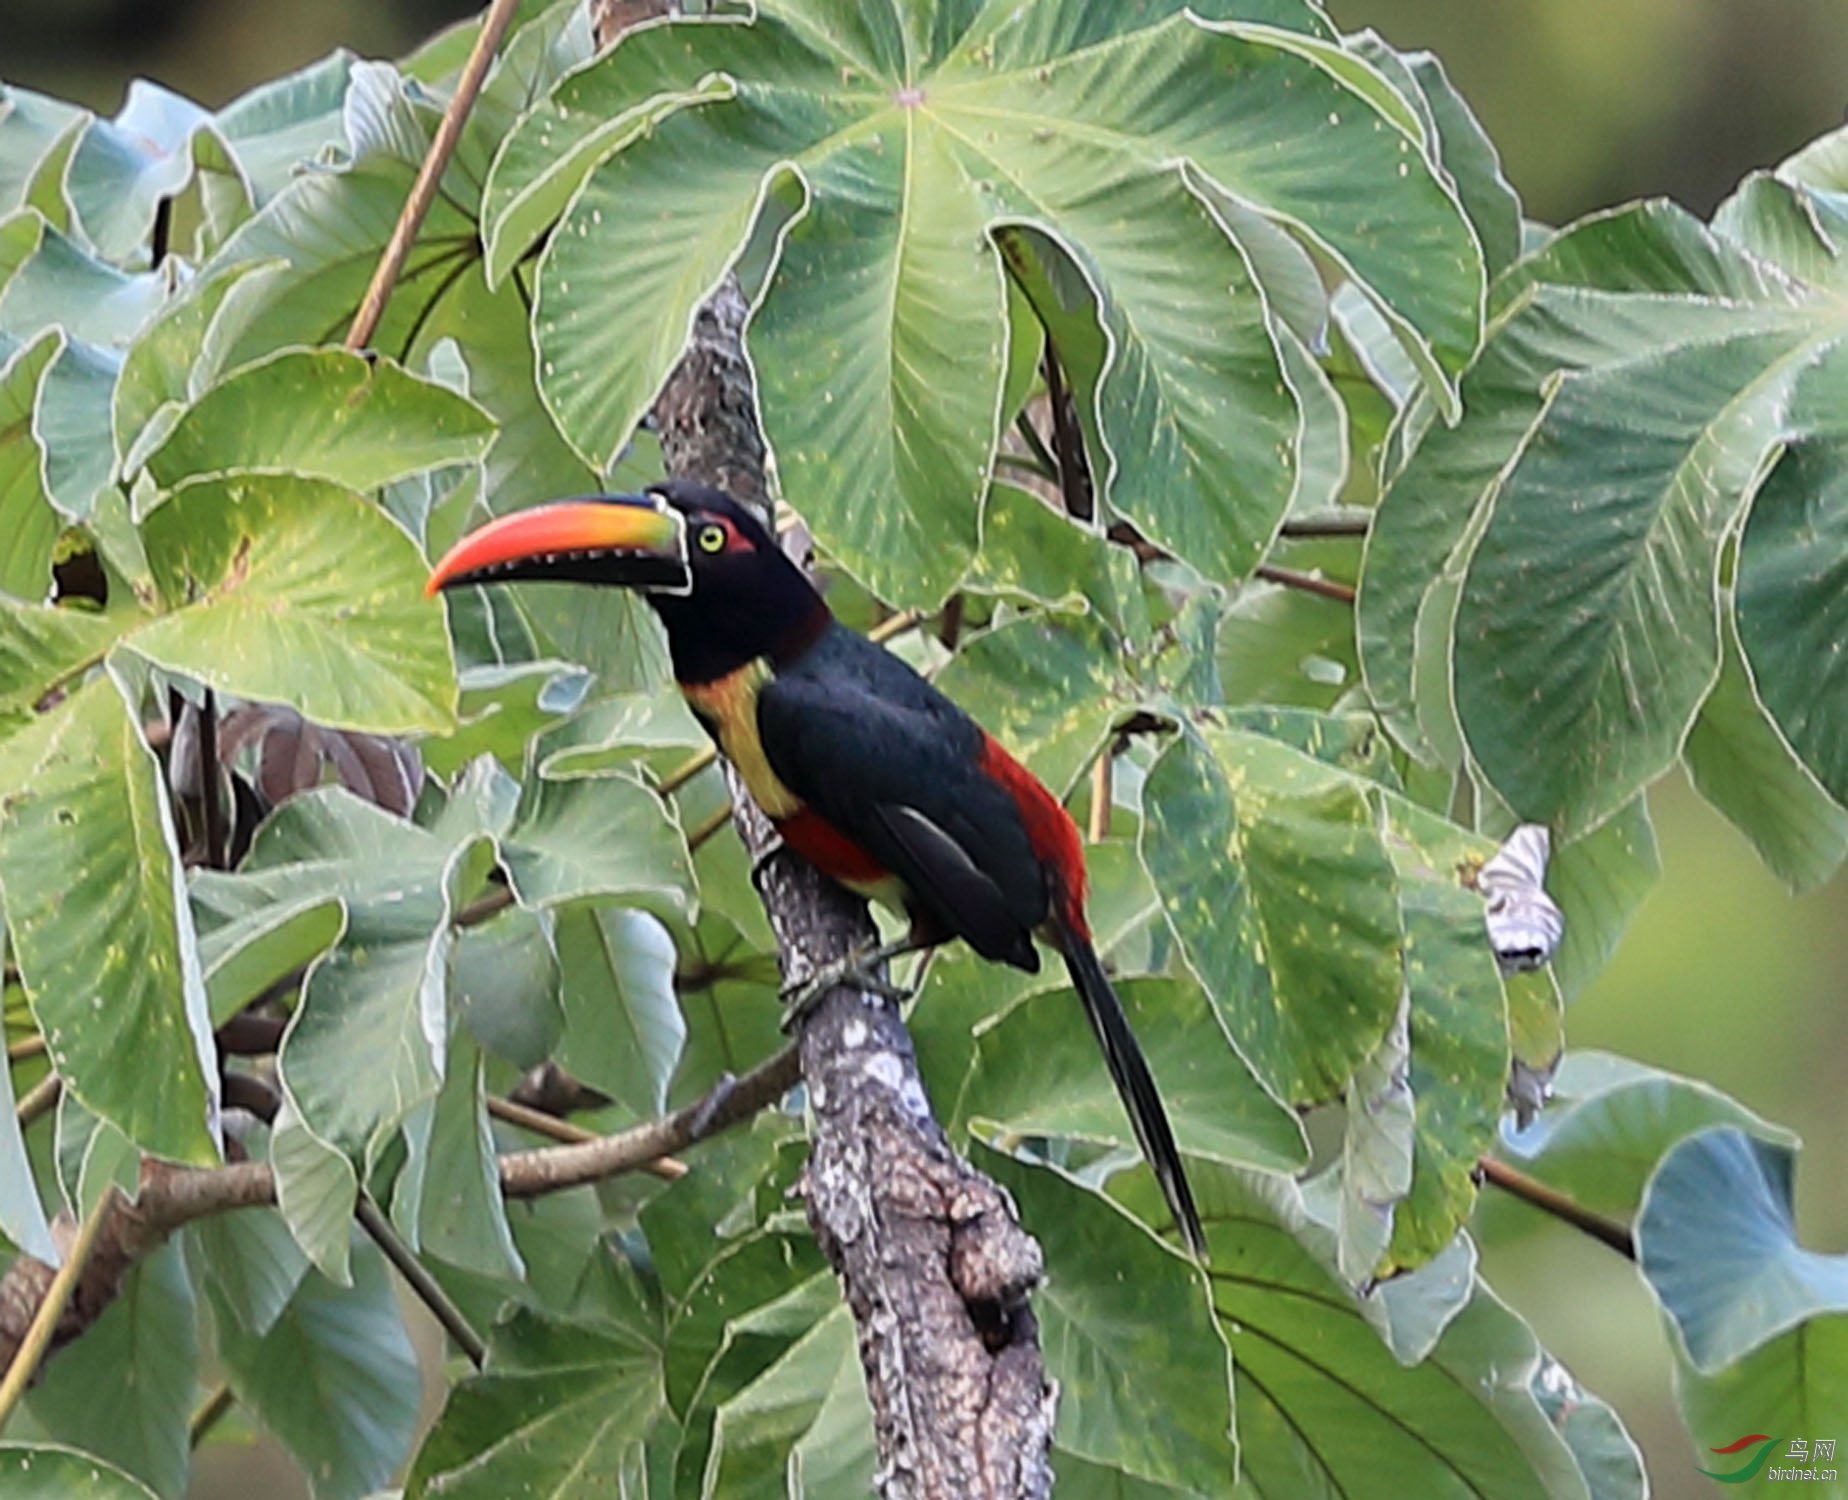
{"x": 1130, "y": 1071}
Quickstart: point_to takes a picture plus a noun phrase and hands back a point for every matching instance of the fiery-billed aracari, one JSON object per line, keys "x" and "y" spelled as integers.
{"x": 865, "y": 769}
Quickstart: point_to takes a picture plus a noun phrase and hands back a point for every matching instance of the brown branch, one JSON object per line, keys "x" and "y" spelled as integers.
{"x": 1331, "y": 524}
{"x": 489, "y": 904}
{"x": 668, "y": 1168}
{"x": 38, "y": 1100}
{"x": 172, "y": 1196}
{"x": 1075, "y": 487}
{"x": 1289, "y": 578}
{"x": 933, "y": 1263}
{"x": 430, "y": 174}
{"x": 208, "y": 783}
{"x": 1101, "y": 795}
{"x": 213, "y": 1410}
{"x": 548, "y": 1169}
{"x": 23, "y": 1362}
{"x": 1549, "y": 1200}
{"x": 249, "y": 1035}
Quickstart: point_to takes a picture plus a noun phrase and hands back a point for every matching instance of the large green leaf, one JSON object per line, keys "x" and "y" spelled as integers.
{"x": 42, "y": 647}
{"x": 170, "y": 361}
{"x": 558, "y": 1402}
{"x": 1323, "y": 1405}
{"x": 248, "y": 1264}
{"x": 369, "y": 1039}
{"x": 1717, "y": 1241}
{"x": 1791, "y": 606}
{"x": 1575, "y": 697}
{"x": 1566, "y": 307}
{"x": 1143, "y": 1374}
{"x": 29, "y": 125}
{"x": 47, "y": 1471}
{"x": 888, "y": 280}
{"x": 328, "y": 229}
{"x": 123, "y": 168}
{"x": 334, "y": 1378}
{"x": 1761, "y": 1323}
{"x": 1048, "y": 687}
{"x": 287, "y": 121}
{"x": 28, "y": 524}
{"x": 1742, "y": 764}
{"x": 623, "y": 1029}
{"x": 447, "y": 1198}
{"x": 1274, "y": 878}
{"x": 124, "y": 1390}
{"x": 324, "y": 412}
{"x": 100, "y": 925}
{"x": 806, "y": 1416}
{"x": 1459, "y": 1063}
{"x": 298, "y": 591}
{"x": 589, "y": 836}
{"x": 504, "y": 980}
{"x": 1038, "y": 1072}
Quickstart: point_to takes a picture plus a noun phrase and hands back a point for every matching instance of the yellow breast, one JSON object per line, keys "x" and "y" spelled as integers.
{"x": 728, "y": 709}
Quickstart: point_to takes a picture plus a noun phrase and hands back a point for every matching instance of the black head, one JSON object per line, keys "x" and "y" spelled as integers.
{"x": 747, "y": 598}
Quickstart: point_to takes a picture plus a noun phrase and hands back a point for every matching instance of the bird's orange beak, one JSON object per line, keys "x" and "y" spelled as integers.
{"x": 634, "y": 541}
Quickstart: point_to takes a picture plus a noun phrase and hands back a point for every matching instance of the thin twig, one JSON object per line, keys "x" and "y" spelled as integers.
{"x": 894, "y": 625}
{"x": 529, "y": 1174}
{"x": 208, "y": 783}
{"x": 38, "y": 1336}
{"x": 687, "y": 770}
{"x": 430, "y": 174}
{"x": 1068, "y": 442}
{"x": 1327, "y": 588}
{"x": 1101, "y": 795}
{"x": 490, "y": 903}
{"x": 668, "y": 1168}
{"x": 38, "y": 1100}
{"x": 1025, "y": 465}
{"x": 211, "y": 1412}
{"x": 1548, "y": 1200}
{"x": 710, "y": 825}
{"x": 1036, "y": 445}
{"x": 163, "y": 232}
{"x": 1328, "y": 525}
{"x": 418, "y": 1278}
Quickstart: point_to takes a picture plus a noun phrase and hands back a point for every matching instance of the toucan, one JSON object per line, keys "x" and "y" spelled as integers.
{"x": 866, "y": 769}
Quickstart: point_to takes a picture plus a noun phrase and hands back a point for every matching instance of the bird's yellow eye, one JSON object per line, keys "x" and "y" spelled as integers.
{"x": 710, "y": 538}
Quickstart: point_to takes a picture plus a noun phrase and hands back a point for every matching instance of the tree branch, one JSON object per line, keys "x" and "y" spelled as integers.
{"x": 930, "y": 1255}
{"x": 430, "y": 174}
{"x": 1551, "y": 1201}
{"x": 172, "y": 1196}
{"x": 1290, "y": 578}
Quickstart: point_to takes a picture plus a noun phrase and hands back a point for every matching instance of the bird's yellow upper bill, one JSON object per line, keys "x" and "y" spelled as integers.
{"x": 568, "y": 531}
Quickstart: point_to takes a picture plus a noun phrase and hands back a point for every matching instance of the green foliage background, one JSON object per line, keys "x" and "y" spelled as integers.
{"x": 1724, "y": 975}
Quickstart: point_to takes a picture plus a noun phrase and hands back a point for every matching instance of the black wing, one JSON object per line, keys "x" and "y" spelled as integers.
{"x": 896, "y": 766}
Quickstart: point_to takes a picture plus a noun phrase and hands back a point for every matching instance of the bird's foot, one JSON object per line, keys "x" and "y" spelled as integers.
{"x": 860, "y": 967}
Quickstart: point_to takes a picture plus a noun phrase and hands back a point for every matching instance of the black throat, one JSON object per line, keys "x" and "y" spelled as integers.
{"x": 741, "y": 608}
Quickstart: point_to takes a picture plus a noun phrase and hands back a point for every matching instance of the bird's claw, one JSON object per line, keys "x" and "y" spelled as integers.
{"x": 859, "y": 968}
